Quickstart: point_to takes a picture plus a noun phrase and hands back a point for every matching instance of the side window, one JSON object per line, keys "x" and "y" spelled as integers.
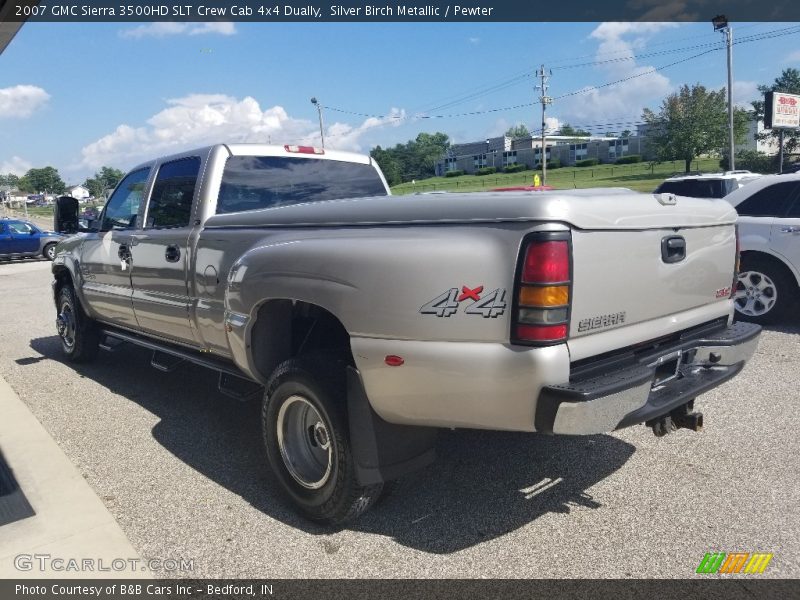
{"x": 22, "y": 228}
{"x": 2, "y": 228}
{"x": 173, "y": 193}
{"x": 772, "y": 201}
{"x": 794, "y": 210}
{"x": 123, "y": 206}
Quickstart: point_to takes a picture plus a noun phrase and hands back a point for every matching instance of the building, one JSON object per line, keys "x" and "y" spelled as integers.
{"x": 751, "y": 142}
{"x": 79, "y": 192}
{"x": 502, "y": 152}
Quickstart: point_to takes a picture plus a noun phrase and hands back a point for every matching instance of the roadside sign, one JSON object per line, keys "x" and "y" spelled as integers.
{"x": 781, "y": 111}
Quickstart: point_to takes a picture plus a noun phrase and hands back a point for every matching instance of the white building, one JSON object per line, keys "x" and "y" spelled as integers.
{"x": 751, "y": 141}
{"x": 79, "y": 192}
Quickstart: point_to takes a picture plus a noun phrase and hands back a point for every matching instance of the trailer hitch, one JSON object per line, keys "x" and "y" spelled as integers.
{"x": 682, "y": 417}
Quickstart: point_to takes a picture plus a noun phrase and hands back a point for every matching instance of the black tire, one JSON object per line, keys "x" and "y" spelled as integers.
{"x": 317, "y": 386}
{"x": 49, "y": 251}
{"x": 80, "y": 337}
{"x": 772, "y": 291}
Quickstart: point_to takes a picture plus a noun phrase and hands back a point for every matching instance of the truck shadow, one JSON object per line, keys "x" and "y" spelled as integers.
{"x": 482, "y": 486}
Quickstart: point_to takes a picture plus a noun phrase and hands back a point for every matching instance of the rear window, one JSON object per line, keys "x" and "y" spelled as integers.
{"x": 254, "y": 182}
{"x": 699, "y": 188}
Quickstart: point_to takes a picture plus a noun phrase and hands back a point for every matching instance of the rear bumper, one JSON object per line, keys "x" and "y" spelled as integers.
{"x": 633, "y": 394}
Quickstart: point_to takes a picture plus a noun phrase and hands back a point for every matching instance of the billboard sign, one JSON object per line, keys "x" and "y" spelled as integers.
{"x": 781, "y": 111}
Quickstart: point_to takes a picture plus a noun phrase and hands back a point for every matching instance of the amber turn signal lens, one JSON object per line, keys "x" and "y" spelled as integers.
{"x": 551, "y": 295}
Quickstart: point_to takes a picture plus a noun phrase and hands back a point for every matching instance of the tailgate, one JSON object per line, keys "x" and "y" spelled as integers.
{"x": 623, "y": 277}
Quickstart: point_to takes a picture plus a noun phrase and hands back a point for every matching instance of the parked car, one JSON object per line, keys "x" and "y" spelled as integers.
{"x": 23, "y": 239}
{"x": 769, "y": 230}
{"x": 709, "y": 185}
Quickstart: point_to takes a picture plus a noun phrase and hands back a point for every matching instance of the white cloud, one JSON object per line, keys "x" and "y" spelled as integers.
{"x": 21, "y": 100}
{"x": 474, "y": 40}
{"x": 170, "y": 28}
{"x": 793, "y": 58}
{"x": 15, "y": 165}
{"x": 744, "y": 92}
{"x": 200, "y": 119}
{"x": 618, "y": 43}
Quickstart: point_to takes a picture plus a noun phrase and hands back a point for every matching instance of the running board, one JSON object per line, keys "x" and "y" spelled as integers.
{"x": 175, "y": 353}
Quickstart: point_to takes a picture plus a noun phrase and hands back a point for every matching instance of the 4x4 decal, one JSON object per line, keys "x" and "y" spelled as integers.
{"x": 446, "y": 304}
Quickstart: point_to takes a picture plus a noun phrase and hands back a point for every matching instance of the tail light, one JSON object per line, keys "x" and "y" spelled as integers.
{"x": 736, "y": 263}
{"x": 543, "y": 290}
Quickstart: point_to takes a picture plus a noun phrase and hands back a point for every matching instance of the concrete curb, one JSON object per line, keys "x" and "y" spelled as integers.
{"x": 71, "y": 522}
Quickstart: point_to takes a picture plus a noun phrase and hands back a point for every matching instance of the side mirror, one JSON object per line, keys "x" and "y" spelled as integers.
{"x": 65, "y": 215}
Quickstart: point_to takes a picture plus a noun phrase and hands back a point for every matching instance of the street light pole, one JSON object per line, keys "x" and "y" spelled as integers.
{"x": 316, "y": 103}
{"x": 720, "y": 23}
{"x": 544, "y": 75}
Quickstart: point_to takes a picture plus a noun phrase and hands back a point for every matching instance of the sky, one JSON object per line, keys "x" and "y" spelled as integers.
{"x": 78, "y": 96}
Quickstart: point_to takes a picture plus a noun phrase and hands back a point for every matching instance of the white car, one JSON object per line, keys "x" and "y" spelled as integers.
{"x": 707, "y": 185}
{"x": 769, "y": 232}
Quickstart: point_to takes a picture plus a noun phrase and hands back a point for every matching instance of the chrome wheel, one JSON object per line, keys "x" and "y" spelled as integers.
{"x": 305, "y": 443}
{"x": 756, "y": 294}
{"x": 50, "y": 252}
{"x": 65, "y": 324}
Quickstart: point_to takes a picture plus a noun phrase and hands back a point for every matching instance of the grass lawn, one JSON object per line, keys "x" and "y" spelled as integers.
{"x": 639, "y": 176}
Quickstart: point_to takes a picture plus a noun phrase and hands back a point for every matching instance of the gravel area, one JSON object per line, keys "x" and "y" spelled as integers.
{"x": 181, "y": 468}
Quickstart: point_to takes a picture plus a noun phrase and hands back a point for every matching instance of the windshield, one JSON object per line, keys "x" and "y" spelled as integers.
{"x": 699, "y": 188}
{"x": 254, "y": 182}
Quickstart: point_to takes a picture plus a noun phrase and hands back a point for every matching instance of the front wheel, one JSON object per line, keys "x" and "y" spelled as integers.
{"x": 80, "y": 339}
{"x": 49, "y": 251}
{"x": 307, "y": 441}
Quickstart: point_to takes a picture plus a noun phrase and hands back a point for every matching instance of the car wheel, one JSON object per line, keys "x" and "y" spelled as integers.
{"x": 307, "y": 441}
{"x": 764, "y": 292}
{"x": 49, "y": 251}
{"x": 80, "y": 338}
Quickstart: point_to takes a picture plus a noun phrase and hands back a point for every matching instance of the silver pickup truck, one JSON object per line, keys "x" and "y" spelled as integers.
{"x": 367, "y": 321}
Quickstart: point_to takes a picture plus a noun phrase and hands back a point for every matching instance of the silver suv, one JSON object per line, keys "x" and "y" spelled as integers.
{"x": 769, "y": 230}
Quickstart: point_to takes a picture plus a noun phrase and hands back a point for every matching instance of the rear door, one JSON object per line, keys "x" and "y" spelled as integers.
{"x": 785, "y": 235}
{"x": 762, "y": 219}
{"x": 105, "y": 259}
{"x": 160, "y": 252}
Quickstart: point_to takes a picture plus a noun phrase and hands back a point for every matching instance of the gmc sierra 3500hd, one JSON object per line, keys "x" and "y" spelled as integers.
{"x": 371, "y": 320}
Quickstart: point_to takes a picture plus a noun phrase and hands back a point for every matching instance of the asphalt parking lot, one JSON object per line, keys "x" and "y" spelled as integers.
{"x": 181, "y": 469}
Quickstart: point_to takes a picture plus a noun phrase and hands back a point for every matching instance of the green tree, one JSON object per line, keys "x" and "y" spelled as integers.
{"x": 45, "y": 179}
{"x": 788, "y": 82}
{"x": 567, "y": 129}
{"x": 691, "y": 122}
{"x": 416, "y": 159}
{"x": 106, "y": 178}
{"x": 626, "y": 133}
{"x": 518, "y": 131}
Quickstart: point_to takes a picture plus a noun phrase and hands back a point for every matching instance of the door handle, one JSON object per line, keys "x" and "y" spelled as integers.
{"x": 790, "y": 229}
{"x": 173, "y": 253}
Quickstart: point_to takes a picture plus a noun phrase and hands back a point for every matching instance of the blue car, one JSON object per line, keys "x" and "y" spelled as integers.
{"x": 20, "y": 239}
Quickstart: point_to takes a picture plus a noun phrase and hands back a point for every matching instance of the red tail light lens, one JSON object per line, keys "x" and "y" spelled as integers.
{"x": 304, "y": 149}
{"x": 546, "y": 262}
{"x": 543, "y": 294}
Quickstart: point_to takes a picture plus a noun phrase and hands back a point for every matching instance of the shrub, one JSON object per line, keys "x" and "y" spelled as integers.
{"x": 554, "y": 164}
{"x": 453, "y": 173}
{"x": 486, "y": 171}
{"x": 588, "y": 162}
{"x": 516, "y": 168}
{"x": 758, "y": 162}
{"x": 629, "y": 160}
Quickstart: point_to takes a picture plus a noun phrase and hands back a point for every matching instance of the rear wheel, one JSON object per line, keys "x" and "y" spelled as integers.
{"x": 80, "y": 338}
{"x": 307, "y": 440}
{"x": 764, "y": 291}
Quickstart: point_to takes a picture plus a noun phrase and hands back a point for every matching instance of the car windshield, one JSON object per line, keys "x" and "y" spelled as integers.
{"x": 698, "y": 188}
{"x": 254, "y": 182}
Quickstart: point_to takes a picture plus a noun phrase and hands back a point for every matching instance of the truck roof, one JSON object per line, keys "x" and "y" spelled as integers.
{"x": 243, "y": 149}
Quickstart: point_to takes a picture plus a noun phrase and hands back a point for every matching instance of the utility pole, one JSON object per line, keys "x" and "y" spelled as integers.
{"x": 316, "y": 103}
{"x": 544, "y": 76}
{"x": 720, "y": 23}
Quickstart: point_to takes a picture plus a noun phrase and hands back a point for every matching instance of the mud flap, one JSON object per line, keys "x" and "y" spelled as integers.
{"x": 383, "y": 451}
